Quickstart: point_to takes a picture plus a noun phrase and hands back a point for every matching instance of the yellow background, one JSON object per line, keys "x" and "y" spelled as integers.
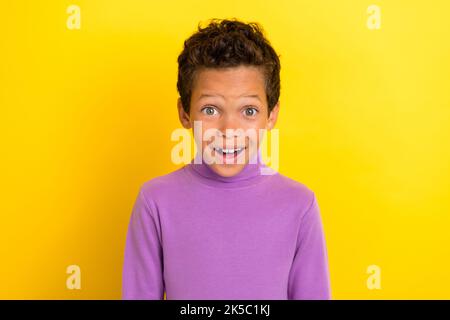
{"x": 86, "y": 117}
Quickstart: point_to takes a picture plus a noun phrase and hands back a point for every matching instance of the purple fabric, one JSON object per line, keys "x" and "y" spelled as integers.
{"x": 197, "y": 235}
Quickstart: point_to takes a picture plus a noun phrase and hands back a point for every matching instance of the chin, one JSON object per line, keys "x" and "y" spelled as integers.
{"x": 227, "y": 170}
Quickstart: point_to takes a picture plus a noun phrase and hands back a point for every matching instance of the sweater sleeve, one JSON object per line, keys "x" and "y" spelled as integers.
{"x": 309, "y": 275}
{"x": 142, "y": 275}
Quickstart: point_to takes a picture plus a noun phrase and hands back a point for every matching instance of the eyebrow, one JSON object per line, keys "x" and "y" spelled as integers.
{"x": 219, "y": 95}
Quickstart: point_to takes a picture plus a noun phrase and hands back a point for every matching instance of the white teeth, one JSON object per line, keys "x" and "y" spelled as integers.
{"x": 228, "y": 150}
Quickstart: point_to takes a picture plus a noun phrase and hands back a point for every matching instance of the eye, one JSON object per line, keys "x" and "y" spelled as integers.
{"x": 209, "y": 111}
{"x": 250, "y": 112}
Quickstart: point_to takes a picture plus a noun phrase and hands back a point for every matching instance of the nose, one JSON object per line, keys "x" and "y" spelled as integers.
{"x": 230, "y": 131}
{"x": 229, "y": 126}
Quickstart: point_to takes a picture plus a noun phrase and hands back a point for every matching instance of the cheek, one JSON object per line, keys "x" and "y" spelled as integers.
{"x": 259, "y": 128}
{"x": 208, "y": 133}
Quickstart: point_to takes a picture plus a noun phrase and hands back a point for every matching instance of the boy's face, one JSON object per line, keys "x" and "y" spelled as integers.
{"x": 233, "y": 99}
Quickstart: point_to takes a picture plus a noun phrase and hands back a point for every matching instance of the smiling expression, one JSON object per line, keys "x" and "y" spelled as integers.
{"x": 231, "y": 105}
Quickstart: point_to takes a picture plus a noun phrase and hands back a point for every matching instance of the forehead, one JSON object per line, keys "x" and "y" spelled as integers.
{"x": 236, "y": 81}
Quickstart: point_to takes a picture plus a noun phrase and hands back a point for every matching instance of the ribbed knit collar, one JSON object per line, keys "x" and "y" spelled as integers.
{"x": 252, "y": 173}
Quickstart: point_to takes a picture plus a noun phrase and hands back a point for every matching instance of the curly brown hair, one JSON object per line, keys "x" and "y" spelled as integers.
{"x": 228, "y": 43}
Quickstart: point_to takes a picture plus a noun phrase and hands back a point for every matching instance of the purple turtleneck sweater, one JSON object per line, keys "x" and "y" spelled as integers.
{"x": 197, "y": 235}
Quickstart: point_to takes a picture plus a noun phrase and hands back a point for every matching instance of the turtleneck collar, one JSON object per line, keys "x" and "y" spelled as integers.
{"x": 252, "y": 173}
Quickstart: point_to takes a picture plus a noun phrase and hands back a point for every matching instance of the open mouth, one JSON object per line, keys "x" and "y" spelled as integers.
{"x": 230, "y": 153}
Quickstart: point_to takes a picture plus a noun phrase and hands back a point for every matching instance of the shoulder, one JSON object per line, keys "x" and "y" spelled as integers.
{"x": 163, "y": 186}
{"x": 295, "y": 192}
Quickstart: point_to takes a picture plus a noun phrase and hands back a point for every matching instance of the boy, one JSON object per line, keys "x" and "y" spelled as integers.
{"x": 218, "y": 228}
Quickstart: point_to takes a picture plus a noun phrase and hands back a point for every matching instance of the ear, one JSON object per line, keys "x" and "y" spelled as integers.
{"x": 183, "y": 116}
{"x": 273, "y": 116}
